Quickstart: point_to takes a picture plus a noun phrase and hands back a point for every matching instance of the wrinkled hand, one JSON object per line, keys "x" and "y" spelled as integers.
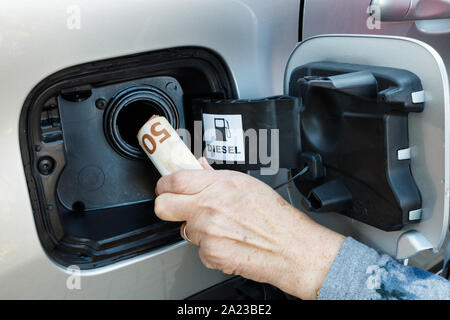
{"x": 243, "y": 227}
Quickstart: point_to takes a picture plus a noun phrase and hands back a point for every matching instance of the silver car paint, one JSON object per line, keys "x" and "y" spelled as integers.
{"x": 255, "y": 38}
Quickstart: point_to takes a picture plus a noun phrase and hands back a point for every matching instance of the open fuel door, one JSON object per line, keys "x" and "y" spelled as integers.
{"x": 365, "y": 121}
{"x": 375, "y": 117}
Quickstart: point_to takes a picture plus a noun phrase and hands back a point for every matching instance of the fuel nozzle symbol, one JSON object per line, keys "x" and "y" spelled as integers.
{"x": 222, "y": 129}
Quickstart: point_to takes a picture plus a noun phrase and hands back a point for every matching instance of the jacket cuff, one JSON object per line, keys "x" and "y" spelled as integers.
{"x": 347, "y": 278}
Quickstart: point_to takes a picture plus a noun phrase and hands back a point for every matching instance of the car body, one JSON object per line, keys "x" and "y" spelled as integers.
{"x": 254, "y": 39}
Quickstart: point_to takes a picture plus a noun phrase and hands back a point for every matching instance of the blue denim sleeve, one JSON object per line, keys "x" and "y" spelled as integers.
{"x": 361, "y": 273}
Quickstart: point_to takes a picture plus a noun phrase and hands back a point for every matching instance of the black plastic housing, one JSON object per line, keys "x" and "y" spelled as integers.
{"x": 261, "y": 116}
{"x": 106, "y": 168}
{"x": 92, "y": 193}
{"x": 356, "y": 118}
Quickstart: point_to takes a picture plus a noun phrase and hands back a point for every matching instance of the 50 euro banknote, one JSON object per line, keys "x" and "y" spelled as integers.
{"x": 164, "y": 147}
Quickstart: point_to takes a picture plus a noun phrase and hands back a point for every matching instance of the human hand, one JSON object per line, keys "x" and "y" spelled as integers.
{"x": 243, "y": 227}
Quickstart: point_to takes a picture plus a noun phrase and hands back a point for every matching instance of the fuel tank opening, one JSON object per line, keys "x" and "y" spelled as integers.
{"x": 129, "y": 111}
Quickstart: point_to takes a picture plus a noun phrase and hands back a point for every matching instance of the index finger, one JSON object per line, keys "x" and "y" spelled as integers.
{"x": 174, "y": 207}
{"x": 187, "y": 182}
